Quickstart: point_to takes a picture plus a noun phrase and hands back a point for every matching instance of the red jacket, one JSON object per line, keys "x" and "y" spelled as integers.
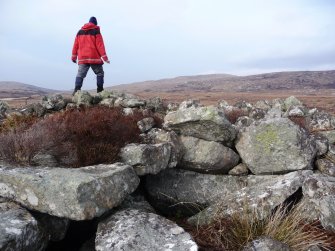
{"x": 89, "y": 46}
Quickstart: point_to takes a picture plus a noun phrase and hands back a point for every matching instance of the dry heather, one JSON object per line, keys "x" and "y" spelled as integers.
{"x": 75, "y": 138}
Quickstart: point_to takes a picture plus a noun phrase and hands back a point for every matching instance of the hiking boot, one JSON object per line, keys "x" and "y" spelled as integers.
{"x": 100, "y": 89}
{"x": 75, "y": 90}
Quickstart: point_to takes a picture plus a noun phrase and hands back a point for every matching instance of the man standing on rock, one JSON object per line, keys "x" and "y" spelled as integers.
{"x": 90, "y": 49}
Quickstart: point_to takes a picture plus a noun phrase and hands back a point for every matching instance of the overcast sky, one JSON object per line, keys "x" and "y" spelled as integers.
{"x": 153, "y": 39}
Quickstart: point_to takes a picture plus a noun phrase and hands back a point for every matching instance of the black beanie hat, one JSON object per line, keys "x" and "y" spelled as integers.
{"x": 93, "y": 20}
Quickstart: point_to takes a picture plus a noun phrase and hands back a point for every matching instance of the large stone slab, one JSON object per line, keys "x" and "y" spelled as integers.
{"x": 207, "y": 156}
{"x": 19, "y": 230}
{"x": 275, "y": 146}
{"x": 77, "y": 194}
{"x": 206, "y": 122}
{"x": 137, "y": 230}
{"x": 265, "y": 193}
{"x": 177, "y": 191}
{"x": 266, "y": 243}
{"x": 146, "y": 158}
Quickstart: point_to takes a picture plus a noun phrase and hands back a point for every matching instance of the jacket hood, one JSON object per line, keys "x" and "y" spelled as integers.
{"x": 90, "y": 26}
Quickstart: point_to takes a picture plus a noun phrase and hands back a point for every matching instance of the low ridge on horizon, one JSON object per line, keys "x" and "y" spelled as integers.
{"x": 274, "y": 81}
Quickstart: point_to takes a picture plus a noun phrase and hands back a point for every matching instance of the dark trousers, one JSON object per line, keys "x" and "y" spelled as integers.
{"x": 82, "y": 72}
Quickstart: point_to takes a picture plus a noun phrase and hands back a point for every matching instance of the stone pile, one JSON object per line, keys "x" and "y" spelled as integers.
{"x": 200, "y": 165}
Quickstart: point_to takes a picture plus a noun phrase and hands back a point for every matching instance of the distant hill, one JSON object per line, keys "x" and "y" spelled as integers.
{"x": 305, "y": 81}
{"x": 10, "y": 89}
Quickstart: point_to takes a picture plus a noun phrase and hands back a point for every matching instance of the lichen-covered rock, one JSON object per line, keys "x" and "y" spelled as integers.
{"x": 54, "y": 103}
{"x": 326, "y": 166}
{"x": 146, "y": 158}
{"x": 257, "y": 113}
{"x": 138, "y": 230}
{"x": 319, "y": 200}
{"x": 146, "y": 124}
{"x": 275, "y": 146}
{"x": 132, "y": 102}
{"x": 242, "y": 122}
{"x": 322, "y": 144}
{"x": 296, "y": 111}
{"x": 82, "y": 98}
{"x": 109, "y": 102}
{"x": 330, "y": 135}
{"x": 266, "y": 243}
{"x": 35, "y": 109}
{"x": 208, "y": 123}
{"x": 77, "y": 194}
{"x": 207, "y": 156}
{"x": 260, "y": 195}
{"x": 44, "y": 160}
{"x": 321, "y": 121}
{"x": 19, "y": 230}
{"x": 263, "y": 104}
{"x": 4, "y": 107}
{"x": 291, "y": 101}
{"x": 155, "y": 104}
{"x": 157, "y": 136}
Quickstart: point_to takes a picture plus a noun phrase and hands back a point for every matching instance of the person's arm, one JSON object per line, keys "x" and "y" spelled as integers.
{"x": 101, "y": 47}
{"x": 75, "y": 50}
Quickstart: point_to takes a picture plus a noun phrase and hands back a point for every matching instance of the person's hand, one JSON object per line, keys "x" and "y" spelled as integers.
{"x": 74, "y": 61}
{"x": 107, "y": 61}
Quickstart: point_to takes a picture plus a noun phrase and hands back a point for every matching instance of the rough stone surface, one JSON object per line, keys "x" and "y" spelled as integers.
{"x": 266, "y": 244}
{"x": 147, "y": 158}
{"x": 82, "y": 98}
{"x": 275, "y": 146}
{"x": 44, "y": 160}
{"x": 146, "y": 124}
{"x": 296, "y": 111}
{"x": 35, "y": 109}
{"x": 19, "y": 230}
{"x": 55, "y": 103}
{"x": 132, "y": 102}
{"x": 261, "y": 195}
{"x": 207, "y": 156}
{"x": 177, "y": 191}
{"x": 322, "y": 121}
{"x": 134, "y": 229}
{"x": 208, "y": 123}
{"x": 155, "y": 104}
{"x": 291, "y": 101}
{"x": 77, "y": 194}
{"x": 319, "y": 200}
{"x": 322, "y": 144}
{"x": 242, "y": 122}
{"x": 240, "y": 169}
{"x": 157, "y": 135}
{"x": 108, "y": 102}
{"x": 326, "y": 166}
{"x": 330, "y": 135}
{"x": 263, "y": 104}
{"x": 4, "y": 107}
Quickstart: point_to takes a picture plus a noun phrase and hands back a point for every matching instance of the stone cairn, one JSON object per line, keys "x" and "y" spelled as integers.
{"x": 198, "y": 164}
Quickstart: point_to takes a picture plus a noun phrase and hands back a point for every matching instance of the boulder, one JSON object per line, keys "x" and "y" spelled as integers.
{"x": 146, "y": 158}
{"x": 134, "y": 229}
{"x": 19, "y": 230}
{"x": 44, "y": 159}
{"x": 4, "y": 107}
{"x": 157, "y": 136}
{"x": 263, "y": 104}
{"x": 54, "y": 103}
{"x": 146, "y": 124}
{"x": 330, "y": 135}
{"x": 132, "y": 102}
{"x": 77, "y": 194}
{"x": 321, "y": 121}
{"x": 322, "y": 144}
{"x": 266, "y": 243}
{"x": 291, "y": 101}
{"x": 82, "y": 98}
{"x": 208, "y": 123}
{"x": 257, "y": 113}
{"x": 326, "y": 166}
{"x": 35, "y": 109}
{"x": 207, "y": 156}
{"x": 296, "y": 111}
{"x": 319, "y": 200}
{"x": 180, "y": 192}
{"x": 155, "y": 104}
{"x": 109, "y": 102}
{"x": 260, "y": 196}
{"x": 275, "y": 146}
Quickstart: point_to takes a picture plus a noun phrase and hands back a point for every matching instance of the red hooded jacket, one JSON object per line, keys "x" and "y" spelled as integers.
{"x": 89, "y": 45}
